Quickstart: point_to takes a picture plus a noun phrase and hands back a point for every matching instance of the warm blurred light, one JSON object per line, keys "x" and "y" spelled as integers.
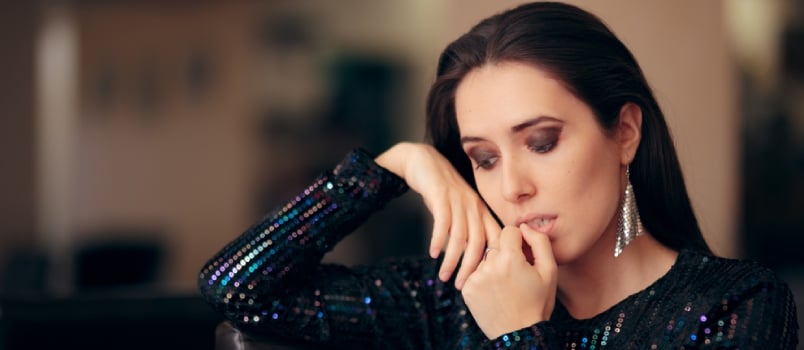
{"x": 755, "y": 26}
{"x": 57, "y": 101}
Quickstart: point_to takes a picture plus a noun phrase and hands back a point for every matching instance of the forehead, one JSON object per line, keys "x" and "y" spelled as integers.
{"x": 508, "y": 92}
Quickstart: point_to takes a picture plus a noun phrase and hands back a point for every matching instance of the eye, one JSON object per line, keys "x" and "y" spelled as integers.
{"x": 485, "y": 163}
{"x": 542, "y": 148}
{"x": 484, "y": 159}
{"x": 543, "y": 141}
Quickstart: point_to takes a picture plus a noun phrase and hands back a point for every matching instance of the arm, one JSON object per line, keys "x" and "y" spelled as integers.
{"x": 269, "y": 279}
{"x": 256, "y": 278}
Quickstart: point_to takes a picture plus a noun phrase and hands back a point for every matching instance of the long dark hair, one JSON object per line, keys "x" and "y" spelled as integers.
{"x": 576, "y": 48}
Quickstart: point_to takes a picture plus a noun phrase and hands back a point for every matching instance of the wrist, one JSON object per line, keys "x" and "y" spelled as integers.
{"x": 393, "y": 159}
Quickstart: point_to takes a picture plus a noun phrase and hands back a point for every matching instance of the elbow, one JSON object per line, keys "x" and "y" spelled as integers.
{"x": 208, "y": 283}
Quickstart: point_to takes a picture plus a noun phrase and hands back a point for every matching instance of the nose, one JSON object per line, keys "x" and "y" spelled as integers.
{"x": 517, "y": 181}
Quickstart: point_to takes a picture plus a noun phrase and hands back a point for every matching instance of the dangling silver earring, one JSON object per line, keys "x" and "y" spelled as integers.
{"x": 629, "y": 225}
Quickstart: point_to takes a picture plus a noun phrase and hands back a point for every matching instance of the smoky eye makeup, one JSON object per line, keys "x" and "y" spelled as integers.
{"x": 544, "y": 139}
{"x": 482, "y": 158}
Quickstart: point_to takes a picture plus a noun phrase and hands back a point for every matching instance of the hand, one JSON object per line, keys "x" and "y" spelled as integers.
{"x": 461, "y": 221}
{"x": 506, "y": 292}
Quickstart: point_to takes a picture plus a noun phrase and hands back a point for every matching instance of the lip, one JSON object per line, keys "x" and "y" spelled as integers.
{"x": 536, "y": 222}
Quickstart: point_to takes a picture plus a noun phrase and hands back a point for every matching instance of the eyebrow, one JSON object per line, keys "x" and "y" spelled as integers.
{"x": 514, "y": 129}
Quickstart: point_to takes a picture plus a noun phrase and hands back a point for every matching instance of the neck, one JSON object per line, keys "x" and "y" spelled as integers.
{"x": 597, "y": 281}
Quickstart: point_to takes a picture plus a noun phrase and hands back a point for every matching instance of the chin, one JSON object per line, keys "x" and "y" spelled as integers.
{"x": 564, "y": 255}
{"x": 562, "y": 260}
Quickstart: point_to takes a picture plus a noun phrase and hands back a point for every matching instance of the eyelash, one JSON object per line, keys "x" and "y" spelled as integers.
{"x": 486, "y": 164}
{"x": 542, "y": 148}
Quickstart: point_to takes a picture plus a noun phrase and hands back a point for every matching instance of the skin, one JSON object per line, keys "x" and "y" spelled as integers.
{"x": 555, "y": 178}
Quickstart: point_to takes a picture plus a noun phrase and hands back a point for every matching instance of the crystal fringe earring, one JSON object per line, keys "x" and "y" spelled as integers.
{"x": 629, "y": 225}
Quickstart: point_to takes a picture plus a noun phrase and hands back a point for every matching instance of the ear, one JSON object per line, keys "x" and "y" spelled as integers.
{"x": 629, "y": 131}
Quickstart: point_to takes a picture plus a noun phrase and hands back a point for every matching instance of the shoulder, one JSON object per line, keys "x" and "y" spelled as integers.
{"x": 743, "y": 300}
{"x": 728, "y": 278}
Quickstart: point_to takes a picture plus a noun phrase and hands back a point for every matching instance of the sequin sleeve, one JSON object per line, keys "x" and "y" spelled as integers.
{"x": 270, "y": 279}
{"x": 538, "y": 336}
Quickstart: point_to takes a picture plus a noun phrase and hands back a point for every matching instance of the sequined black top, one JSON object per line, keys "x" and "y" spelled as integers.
{"x": 270, "y": 280}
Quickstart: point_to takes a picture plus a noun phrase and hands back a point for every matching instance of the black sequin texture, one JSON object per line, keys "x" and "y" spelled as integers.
{"x": 270, "y": 281}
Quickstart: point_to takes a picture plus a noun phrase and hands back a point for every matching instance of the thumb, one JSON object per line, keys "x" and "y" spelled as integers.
{"x": 543, "y": 259}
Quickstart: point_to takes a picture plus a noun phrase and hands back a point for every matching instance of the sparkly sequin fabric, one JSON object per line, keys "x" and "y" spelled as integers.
{"x": 270, "y": 281}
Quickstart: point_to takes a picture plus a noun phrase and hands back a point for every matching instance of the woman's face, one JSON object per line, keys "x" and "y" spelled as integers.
{"x": 540, "y": 156}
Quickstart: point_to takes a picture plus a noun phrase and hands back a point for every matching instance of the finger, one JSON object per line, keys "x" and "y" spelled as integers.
{"x": 451, "y": 257}
{"x": 441, "y": 223}
{"x": 544, "y": 261}
{"x": 474, "y": 249}
{"x": 511, "y": 240}
{"x": 493, "y": 237}
{"x": 492, "y": 229}
{"x": 455, "y": 246}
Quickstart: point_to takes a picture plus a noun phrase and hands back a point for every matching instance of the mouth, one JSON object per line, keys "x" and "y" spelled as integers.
{"x": 540, "y": 223}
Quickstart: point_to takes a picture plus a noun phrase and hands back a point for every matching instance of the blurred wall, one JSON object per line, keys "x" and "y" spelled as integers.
{"x": 164, "y": 140}
{"x": 17, "y": 127}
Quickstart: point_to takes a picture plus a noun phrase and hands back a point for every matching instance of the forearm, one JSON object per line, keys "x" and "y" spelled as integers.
{"x": 270, "y": 255}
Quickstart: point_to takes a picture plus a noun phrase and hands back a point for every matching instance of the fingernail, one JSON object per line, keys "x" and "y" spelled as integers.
{"x": 459, "y": 284}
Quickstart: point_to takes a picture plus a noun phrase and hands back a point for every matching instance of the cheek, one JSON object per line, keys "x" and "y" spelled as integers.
{"x": 592, "y": 186}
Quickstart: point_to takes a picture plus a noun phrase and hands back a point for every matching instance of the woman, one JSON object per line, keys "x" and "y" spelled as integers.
{"x": 542, "y": 115}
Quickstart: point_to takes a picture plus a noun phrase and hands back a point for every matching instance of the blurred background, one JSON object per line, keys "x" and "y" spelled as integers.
{"x": 139, "y": 137}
